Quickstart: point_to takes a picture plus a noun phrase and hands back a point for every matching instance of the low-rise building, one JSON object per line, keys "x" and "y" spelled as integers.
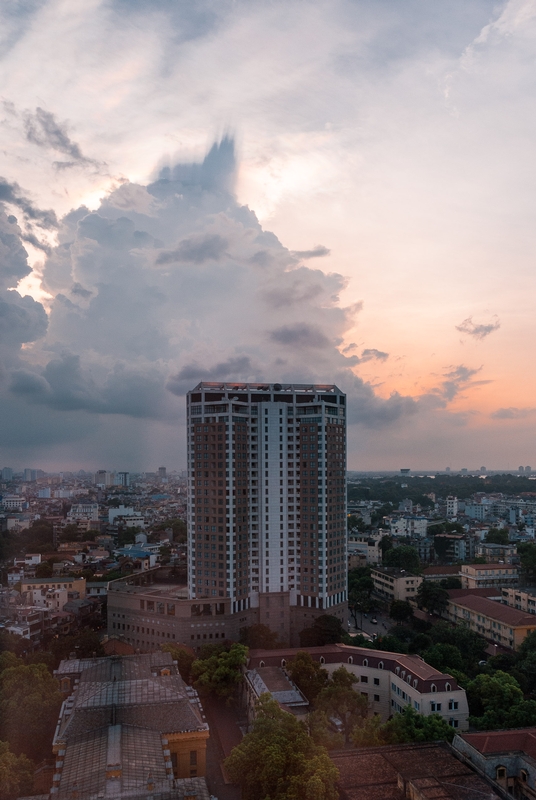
{"x": 508, "y": 758}
{"x": 390, "y": 681}
{"x": 497, "y": 553}
{"x": 395, "y": 584}
{"x": 494, "y": 620}
{"x": 71, "y": 584}
{"x": 130, "y": 727}
{"x": 440, "y": 573}
{"x": 275, "y": 682}
{"x": 522, "y": 599}
{"x": 478, "y": 576}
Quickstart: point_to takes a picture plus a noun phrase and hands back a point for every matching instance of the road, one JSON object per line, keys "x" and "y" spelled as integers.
{"x": 368, "y": 626}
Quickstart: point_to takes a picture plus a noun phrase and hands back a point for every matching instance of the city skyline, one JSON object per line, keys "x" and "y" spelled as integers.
{"x": 338, "y": 192}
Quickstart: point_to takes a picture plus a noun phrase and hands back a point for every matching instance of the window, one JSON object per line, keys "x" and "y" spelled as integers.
{"x": 453, "y": 723}
{"x": 363, "y": 678}
{"x": 415, "y": 682}
{"x": 193, "y": 758}
{"x": 376, "y": 698}
{"x": 524, "y": 775}
{"x": 453, "y": 705}
{"x": 448, "y": 687}
{"x": 283, "y": 662}
{"x": 262, "y": 664}
{"x": 350, "y": 659}
{"x": 501, "y": 772}
{"x": 435, "y": 706}
{"x": 380, "y": 665}
{"x": 433, "y": 688}
{"x": 322, "y": 660}
{"x": 376, "y": 681}
{"x": 365, "y": 662}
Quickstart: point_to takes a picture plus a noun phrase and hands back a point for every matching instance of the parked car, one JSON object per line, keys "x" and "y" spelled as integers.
{"x": 374, "y": 621}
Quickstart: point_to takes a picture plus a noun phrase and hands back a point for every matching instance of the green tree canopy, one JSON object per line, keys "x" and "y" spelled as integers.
{"x": 221, "y": 673}
{"x": 259, "y": 637}
{"x": 497, "y": 536}
{"x": 400, "y": 611}
{"x": 307, "y": 674}
{"x": 432, "y": 597}
{"x": 184, "y": 659}
{"x": 339, "y": 700}
{"x": 324, "y": 630}
{"x": 408, "y": 726}
{"x": 493, "y": 693}
{"x": 278, "y": 760}
{"x": 16, "y": 774}
{"x": 30, "y": 701}
{"x": 403, "y": 557}
{"x": 444, "y": 657}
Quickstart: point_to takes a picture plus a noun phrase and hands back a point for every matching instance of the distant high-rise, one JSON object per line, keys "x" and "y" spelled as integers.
{"x": 29, "y": 475}
{"x": 267, "y": 501}
{"x": 162, "y": 473}
{"x": 7, "y": 474}
{"x": 122, "y": 479}
{"x": 521, "y": 470}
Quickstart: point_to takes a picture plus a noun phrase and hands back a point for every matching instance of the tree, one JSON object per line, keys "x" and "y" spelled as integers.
{"x": 452, "y": 582}
{"x": 324, "y": 630}
{"x": 400, "y": 611}
{"x": 432, "y": 597}
{"x": 471, "y": 645}
{"x": 339, "y": 700}
{"x": 444, "y": 657}
{"x": 85, "y": 644}
{"x": 403, "y": 557}
{"x": 385, "y": 544}
{"x": 29, "y": 704}
{"x": 491, "y": 697}
{"x": 308, "y": 675}
{"x": 259, "y": 637}
{"x": 497, "y": 536}
{"x": 278, "y": 760}
{"x": 16, "y": 774}
{"x": 220, "y": 674}
{"x": 408, "y": 726}
{"x": 527, "y": 553}
{"x": 368, "y": 732}
{"x": 44, "y": 570}
{"x": 184, "y": 658}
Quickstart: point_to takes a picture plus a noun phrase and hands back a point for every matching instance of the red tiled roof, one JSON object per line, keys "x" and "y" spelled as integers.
{"x": 501, "y": 741}
{"x": 450, "y": 570}
{"x": 497, "y": 611}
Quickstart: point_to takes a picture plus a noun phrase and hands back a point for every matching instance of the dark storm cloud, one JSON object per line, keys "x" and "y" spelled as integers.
{"x": 43, "y": 129}
{"x": 513, "y": 413}
{"x": 478, "y": 331}
{"x": 196, "y": 250}
{"x": 317, "y": 252}
{"x": 12, "y": 194}
{"x": 371, "y": 354}
{"x": 238, "y": 368}
{"x": 300, "y": 335}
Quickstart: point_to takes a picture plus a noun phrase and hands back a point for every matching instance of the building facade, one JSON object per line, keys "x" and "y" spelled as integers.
{"x": 483, "y": 576}
{"x": 267, "y": 501}
{"x": 395, "y": 584}
{"x": 390, "y": 681}
{"x": 494, "y": 620}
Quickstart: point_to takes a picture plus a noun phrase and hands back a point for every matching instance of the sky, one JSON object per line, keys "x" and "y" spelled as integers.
{"x": 279, "y": 190}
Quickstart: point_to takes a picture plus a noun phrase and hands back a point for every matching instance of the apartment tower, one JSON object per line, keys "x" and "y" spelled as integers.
{"x": 267, "y": 502}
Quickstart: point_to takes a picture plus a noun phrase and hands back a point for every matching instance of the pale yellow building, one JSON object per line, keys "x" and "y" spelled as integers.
{"x": 494, "y": 620}
{"x": 395, "y": 584}
{"x": 484, "y": 576}
{"x": 70, "y": 584}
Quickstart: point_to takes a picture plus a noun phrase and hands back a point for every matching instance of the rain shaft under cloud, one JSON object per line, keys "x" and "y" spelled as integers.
{"x": 160, "y": 287}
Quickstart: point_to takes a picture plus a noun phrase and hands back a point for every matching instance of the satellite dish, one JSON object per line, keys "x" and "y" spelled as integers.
{"x": 277, "y": 387}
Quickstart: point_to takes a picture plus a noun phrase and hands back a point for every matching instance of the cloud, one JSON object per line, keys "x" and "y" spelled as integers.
{"x": 370, "y": 354}
{"x": 300, "y": 335}
{"x": 513, "y": 413}
{"x": 126, "y": 340}
{"x": 43, "y": 129}
{"x": 319, "y": 251}
{"x": 478, "y": 330}
{"x": 12, "y": 194}
{"x": 196, "y": 250}
{"x": 238, "y": 368}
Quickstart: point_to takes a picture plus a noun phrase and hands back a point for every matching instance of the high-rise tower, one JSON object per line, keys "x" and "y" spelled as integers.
{"x": 267, "y": 501}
